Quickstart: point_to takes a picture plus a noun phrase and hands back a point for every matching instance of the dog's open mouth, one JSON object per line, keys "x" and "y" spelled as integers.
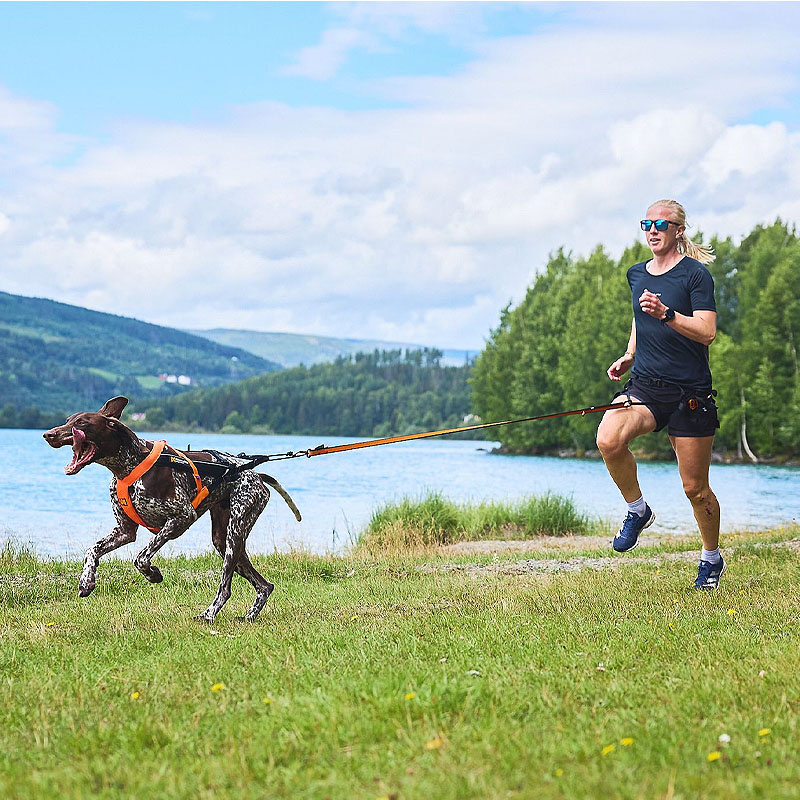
{"x": 82, "y": 452}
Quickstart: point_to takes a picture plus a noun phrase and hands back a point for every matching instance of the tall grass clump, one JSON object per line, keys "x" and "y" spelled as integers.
{"x": 412, "y": 523}
{"x": 432, "y": 520}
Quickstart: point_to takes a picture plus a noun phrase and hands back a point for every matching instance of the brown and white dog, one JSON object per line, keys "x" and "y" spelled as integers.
{"x": 162, "y": 500}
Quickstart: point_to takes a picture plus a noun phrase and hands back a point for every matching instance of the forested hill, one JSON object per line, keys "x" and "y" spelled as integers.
{"x": 294, "y": 349}
{"x": 60, "y": 358}
{"x": 377, "y": 394}
{"x": 553, "y": 349}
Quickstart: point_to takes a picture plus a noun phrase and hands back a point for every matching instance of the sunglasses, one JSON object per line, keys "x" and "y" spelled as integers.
{"x": 661, "y": 224}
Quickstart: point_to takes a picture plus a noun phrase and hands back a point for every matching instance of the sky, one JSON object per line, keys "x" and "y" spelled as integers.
{"x": 395, "y": 171}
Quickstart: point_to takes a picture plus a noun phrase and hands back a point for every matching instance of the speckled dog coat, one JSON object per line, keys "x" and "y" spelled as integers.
{"x": 162, "y": 500}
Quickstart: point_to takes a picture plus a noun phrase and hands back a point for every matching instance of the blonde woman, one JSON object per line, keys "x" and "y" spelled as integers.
{"x": 674, "y": 322}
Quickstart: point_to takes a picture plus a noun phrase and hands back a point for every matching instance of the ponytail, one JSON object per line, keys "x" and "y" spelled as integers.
{"x": 704, "y": 253}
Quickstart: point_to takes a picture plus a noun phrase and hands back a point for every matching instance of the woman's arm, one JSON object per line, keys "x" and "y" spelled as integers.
{"x": 700, "y": 327}
{"x": 625, "y": 362}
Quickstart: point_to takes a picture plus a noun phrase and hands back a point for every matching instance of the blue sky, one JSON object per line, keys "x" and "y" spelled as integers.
{"x": 381, "y": 170}
{"x": 179, "y": 61}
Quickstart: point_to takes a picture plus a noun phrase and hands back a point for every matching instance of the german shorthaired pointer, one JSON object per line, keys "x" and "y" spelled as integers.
{"x": 167, "y": 495}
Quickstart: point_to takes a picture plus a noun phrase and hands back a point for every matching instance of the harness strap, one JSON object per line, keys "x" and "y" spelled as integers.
{"x": 202, "y": 491}
{"x": 123, "y": 484}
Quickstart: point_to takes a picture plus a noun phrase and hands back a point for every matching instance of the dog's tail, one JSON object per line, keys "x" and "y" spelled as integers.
{"x": 268, "y": 479}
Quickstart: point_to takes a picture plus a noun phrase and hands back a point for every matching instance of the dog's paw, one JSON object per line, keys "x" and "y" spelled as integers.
{"x": 154, "y": 575}
{"x": 205, "y": 618}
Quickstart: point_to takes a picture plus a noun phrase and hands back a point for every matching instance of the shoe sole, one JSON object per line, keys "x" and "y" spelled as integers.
{"x": 638, "y": 538}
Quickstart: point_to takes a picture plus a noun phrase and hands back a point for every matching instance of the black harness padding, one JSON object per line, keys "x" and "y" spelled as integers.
{"x": 223, "y": 468}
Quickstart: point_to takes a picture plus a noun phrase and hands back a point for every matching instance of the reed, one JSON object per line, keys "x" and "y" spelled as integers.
{"x": 431, "y": 520}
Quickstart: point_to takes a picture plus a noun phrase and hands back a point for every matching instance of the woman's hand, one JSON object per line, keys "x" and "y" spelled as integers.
{"x": 650, "y": 304}
{"x": 620, "y": 367}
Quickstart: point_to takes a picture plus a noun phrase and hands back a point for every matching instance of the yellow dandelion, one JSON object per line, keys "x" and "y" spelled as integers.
{"x": 609, "y": 748}
{"x": 217, "y": 687}
{"x": 731, "y": 612}
{"x": 134, "y": 695}
{"x": 671, "y": 626}
{"x": 50, "y": 624}
{"x": 353, "y": 618}
{"x": 713, "y": 755}
{"x": 410, "y": 696}
{"x": 765, "y": 732}
{"x": 267, "y": 701}
{"x": 627, "y": 741}
{"x": 434, "y": 744}
{"x": 559, "y": 772}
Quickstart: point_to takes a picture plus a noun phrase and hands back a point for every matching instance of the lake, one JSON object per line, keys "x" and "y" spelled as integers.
{"x": 62, "y": 515}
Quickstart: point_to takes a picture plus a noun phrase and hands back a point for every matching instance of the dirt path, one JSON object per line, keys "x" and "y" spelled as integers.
{"x": 551, "y": 544}
{"x": 568, "y": 564}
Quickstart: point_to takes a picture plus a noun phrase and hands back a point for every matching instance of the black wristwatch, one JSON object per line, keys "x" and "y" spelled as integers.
{"x": 670, "y": 315}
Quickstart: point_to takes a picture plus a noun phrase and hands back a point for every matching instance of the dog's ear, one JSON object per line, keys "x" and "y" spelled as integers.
{"x": 114, "y": 406}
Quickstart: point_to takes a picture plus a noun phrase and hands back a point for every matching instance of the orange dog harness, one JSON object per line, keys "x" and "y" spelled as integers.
{"x": 124, "y": 484}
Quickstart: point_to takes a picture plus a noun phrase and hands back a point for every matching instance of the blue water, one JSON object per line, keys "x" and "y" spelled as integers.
{"x": 62, "y": 515}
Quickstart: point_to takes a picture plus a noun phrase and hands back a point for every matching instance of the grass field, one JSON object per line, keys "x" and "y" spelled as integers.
{"x": 393, "y": 678}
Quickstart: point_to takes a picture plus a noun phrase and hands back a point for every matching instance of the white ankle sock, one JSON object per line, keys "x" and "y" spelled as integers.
{"x": 712, "y": 556}
{"x": 638, "y": 506}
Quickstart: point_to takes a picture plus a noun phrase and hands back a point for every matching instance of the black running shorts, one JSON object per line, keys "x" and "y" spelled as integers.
{"x": 684, "y": 412}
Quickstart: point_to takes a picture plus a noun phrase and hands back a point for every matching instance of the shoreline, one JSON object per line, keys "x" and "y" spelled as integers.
{"x": 717, "y": 457}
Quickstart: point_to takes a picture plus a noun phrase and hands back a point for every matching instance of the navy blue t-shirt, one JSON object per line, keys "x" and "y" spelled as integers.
{"x": 660, "y": 351}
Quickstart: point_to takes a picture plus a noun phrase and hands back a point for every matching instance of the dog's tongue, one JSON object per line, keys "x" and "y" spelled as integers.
{"x": 81, "y": 455}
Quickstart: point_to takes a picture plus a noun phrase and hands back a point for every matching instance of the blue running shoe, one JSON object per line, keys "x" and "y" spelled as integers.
{"x": 708, "y": 575}
{"x": 628, "y": 536}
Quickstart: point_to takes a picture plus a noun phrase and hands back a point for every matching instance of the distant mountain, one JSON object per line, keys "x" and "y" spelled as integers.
{"x": 63, "y": 358}
{"x": 293, "y": 349}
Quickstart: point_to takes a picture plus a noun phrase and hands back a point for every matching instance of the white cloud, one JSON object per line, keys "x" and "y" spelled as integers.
{"x": 417, "y": 223}
{"x": 323, "y": 60}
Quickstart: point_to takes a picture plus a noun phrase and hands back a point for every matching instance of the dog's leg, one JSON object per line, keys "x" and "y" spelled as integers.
{"x": 248, "y": 498}
{"x": 123, "y": 534}
{"x": 262, "y": 586}
{"x": 174, "y": 528}
{"x": 220, "y": 517}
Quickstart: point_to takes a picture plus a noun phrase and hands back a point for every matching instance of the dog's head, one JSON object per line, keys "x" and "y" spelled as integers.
{"x": 94, "y": 436}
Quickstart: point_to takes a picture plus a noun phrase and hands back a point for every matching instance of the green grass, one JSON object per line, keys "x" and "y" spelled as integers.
{"x": 432, "y": 520}
{"x": 149, "y": 382}
{"x": 385, "y": 680}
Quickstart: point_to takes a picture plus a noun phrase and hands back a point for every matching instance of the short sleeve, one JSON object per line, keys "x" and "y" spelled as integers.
{"x": 701, "y": 290}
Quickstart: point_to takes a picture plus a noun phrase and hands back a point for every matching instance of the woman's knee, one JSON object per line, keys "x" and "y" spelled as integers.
{"x": 610, "y": 441}
{"x": 697, "y": 489}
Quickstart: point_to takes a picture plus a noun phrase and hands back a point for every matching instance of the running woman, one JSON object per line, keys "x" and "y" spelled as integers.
{"x": 674, "y": 322}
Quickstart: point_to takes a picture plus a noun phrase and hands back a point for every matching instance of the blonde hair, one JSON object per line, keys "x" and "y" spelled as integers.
{"x": 703, "y": 253}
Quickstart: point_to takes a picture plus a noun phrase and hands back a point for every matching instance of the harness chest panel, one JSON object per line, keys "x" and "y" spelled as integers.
{"x": 124, "y": 484}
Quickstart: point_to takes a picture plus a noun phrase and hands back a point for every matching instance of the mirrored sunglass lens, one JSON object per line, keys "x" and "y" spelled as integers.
{"x": 662, "y": 224}
{"x": 646, "y": 223}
